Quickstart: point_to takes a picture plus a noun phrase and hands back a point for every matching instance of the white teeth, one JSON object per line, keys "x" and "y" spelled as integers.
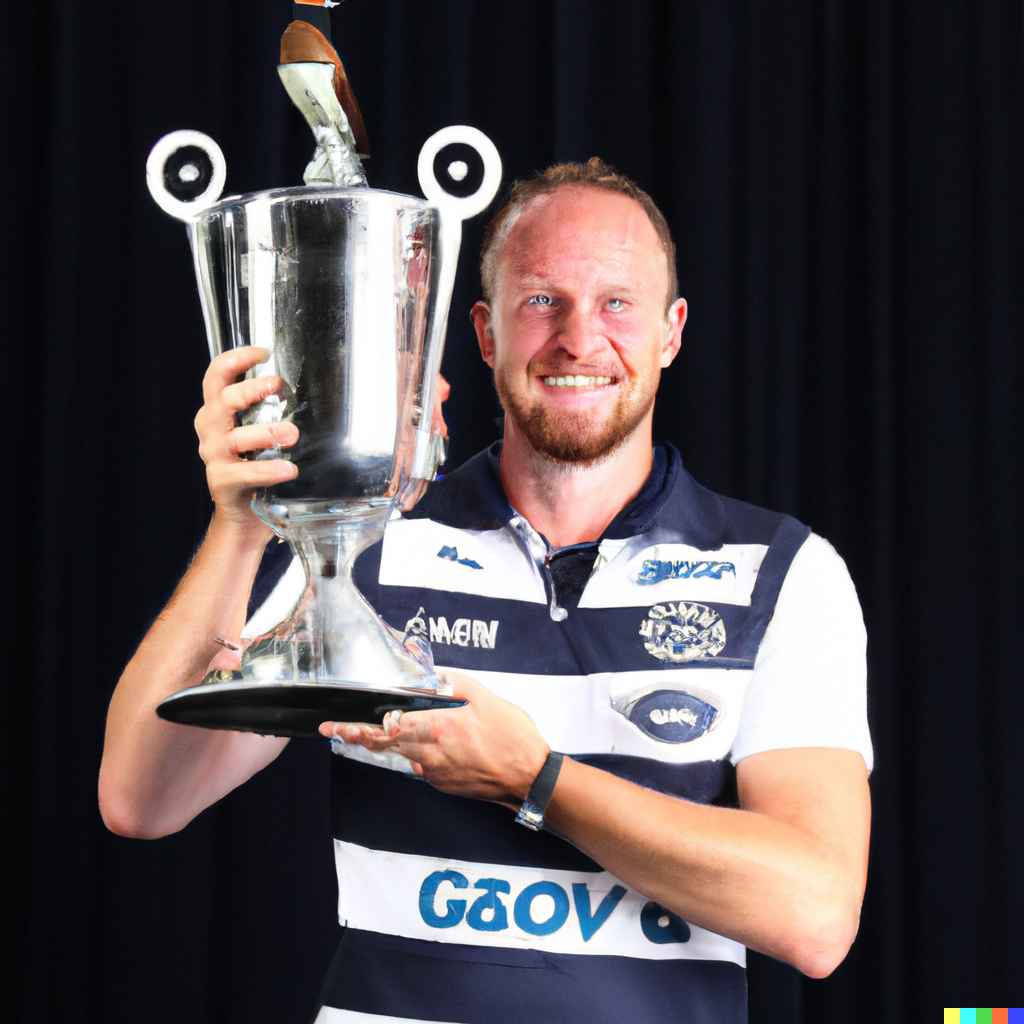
{"x": 576, "y": 381}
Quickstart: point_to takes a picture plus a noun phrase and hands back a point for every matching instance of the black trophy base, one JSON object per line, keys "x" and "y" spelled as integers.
{"x": 289, "y": 708}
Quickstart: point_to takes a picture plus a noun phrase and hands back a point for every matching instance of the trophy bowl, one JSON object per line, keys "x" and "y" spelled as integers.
{"x": 348, "y": 289}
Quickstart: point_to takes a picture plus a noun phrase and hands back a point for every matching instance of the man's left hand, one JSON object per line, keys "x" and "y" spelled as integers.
{"x": 488, "y": 749}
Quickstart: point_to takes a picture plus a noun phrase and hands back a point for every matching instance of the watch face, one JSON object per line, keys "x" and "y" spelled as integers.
{"x": 531, "y": 816}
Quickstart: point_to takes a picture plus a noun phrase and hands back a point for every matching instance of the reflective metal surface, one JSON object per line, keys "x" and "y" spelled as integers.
{"x": 348, "y": 289}
{"x": 340, "y": 286}
{"x": 311, "y": 88}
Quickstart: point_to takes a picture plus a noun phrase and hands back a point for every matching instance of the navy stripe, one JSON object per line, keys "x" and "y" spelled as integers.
{"x": 589, "y": 640}
{"x": 703, "y": 782}
{"x": 424, "y": 821}
{"x": 785, "y": 544}
{"x": 383, "y": 974}
{"x": 469, "y": 498}
{"x": 385, "y": 810}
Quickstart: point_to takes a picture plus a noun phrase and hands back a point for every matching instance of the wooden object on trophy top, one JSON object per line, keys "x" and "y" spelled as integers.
{"x": 305, "y": 43}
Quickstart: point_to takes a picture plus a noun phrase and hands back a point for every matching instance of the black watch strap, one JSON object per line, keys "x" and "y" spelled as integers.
{"x": 531, "y": 814}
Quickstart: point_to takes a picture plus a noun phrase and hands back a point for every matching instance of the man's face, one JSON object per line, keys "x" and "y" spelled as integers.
{"x": 577, "y": 332}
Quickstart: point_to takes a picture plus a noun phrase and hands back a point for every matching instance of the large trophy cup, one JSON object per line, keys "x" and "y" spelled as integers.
{"x": 348, "y": 288}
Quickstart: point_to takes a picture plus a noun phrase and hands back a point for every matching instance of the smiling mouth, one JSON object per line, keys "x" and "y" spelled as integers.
{"x": 576, "y": 381}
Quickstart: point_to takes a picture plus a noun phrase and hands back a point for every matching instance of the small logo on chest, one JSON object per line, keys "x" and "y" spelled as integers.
{"x": 461, "y": 633}
{"x": 672, "y": 716}
{"x": 677, "y": 631}
{"x": 452, "y": 555}
{"x": 655, "y": 571}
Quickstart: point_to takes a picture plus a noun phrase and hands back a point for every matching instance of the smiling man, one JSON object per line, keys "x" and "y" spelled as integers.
{"x": 579, "y": 301}
{"x": 666, "y": 686}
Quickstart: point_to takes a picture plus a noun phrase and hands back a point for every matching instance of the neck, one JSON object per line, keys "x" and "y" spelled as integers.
{"x": 573, "y": 503}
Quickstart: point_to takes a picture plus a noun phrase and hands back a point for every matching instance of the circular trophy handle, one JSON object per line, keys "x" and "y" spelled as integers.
{"x": 459, "y": 170}
{"x": 185, "y": 173}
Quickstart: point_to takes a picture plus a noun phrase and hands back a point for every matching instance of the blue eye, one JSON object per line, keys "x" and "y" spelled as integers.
{"x": 616, "y": 304}
{"x": 540, "y": 300}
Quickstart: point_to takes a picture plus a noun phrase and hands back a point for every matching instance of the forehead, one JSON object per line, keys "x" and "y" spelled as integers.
{"x": 583, "y": 230}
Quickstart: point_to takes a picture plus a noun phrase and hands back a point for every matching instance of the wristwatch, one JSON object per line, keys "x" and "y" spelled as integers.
{"x": 531, "y": 814}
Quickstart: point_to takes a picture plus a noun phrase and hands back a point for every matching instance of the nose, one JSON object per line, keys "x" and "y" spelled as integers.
{"x": 580, "y": 333}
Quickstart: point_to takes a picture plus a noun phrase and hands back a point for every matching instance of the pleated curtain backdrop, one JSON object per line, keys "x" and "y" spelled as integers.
{"x": 843, "y": 180}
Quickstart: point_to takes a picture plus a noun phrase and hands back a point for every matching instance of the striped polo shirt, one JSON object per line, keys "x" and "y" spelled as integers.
{"x": 697, "y": 631}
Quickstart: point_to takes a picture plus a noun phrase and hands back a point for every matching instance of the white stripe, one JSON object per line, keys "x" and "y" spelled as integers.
{"x": 382, "y": 891}
{"x": 383, "y": 759}
{"x": 649, "y": 569}
{"x": 280, "y": 602}
{"x": 411, "y": 558}
{"x": 332, "y": 1015}
{"x": 581, "y": 714}
{"x": 576, "y": 714}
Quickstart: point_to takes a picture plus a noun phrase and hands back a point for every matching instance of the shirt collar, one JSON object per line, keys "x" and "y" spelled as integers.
{"x": 635, "y": 518}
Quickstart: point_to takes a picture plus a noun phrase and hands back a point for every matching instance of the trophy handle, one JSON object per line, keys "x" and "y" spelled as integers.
{"x": 185, "y": 172}
{"x": 459, "y": 171}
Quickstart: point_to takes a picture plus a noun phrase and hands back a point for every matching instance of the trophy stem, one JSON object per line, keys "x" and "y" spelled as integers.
{"x": 337, "y": 610}
{"x": 333, "y": 635}
{"x": 333, "y": 659}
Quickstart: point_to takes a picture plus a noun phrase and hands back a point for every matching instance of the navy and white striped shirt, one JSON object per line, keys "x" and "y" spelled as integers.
{"x": 697, "y": 631}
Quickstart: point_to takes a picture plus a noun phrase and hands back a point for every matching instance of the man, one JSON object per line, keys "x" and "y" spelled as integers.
{"x": 602, "y": 606}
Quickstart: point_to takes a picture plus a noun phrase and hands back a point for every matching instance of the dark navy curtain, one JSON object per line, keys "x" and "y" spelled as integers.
{"x": 843, "y": 179}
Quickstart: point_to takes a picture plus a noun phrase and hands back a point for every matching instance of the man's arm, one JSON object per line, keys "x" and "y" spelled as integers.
{"x": 156, "y": 776}
{"x": 785, "y": 874}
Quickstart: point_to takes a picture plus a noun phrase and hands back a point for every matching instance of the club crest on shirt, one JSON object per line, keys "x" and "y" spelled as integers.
{"x": 678, "y": 631}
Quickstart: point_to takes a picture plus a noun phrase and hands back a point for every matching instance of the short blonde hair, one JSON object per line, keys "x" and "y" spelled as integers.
{"x": 595, "y": 173}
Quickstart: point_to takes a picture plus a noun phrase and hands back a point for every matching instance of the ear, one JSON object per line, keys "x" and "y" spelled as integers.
{"x": 675, "y": 320}
{"x": 480, "y": 314}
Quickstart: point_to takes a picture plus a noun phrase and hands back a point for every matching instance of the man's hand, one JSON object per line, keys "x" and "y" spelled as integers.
{"x": 488, "y": 749}
{"x": 222, "y": 442}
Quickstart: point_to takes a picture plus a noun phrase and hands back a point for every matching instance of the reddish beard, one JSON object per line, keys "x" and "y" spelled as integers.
{"x": 572, "y": 435}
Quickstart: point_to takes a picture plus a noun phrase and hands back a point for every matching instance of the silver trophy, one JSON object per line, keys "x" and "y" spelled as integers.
{"x": 349, "y": 289}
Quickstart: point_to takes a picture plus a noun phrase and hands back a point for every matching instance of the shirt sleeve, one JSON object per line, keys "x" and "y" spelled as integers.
{"x": 809, "y": 686}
